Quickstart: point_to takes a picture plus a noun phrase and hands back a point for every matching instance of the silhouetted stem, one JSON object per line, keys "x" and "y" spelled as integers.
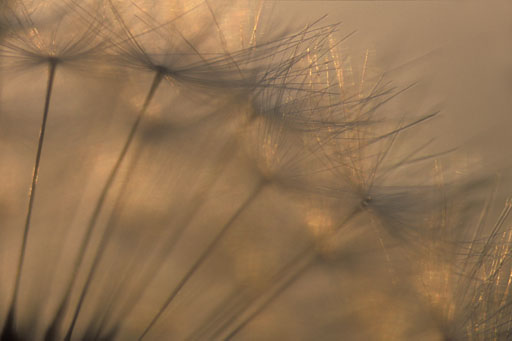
{"x": 54, "y": 326}
{"x": 292, "y": 269}
{"x": 206, "y": 253}
{"x": 97, "y": 259}
{"x": 10, "y": 321}
{"x": 289, "y": 269}
{"x": 147, "y": 276}
{"x": 275, "y": 295}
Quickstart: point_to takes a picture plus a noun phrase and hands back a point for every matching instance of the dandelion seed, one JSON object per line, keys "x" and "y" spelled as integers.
{"x": 26, "y": 47}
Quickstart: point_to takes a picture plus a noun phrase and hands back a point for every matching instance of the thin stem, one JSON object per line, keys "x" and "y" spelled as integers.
{"x": 275, "y": 295}
{"x": 10, "y": 323}
{"x": 292, "y": 269}
{"x": 54, "y": 326}
{"x": 97, "y": 259}
{"x": 206, "y": 253}
{"x": 219, "y": 313}
{"x": 147, "y": 276}
{"x": 226, "y": 155}
{"x": 238, "y": 309}
{"x": 110, "y": 226}
{"x": 108, "y": 303}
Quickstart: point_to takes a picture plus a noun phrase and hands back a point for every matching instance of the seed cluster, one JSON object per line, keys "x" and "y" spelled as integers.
{"x": 188, "y": 170}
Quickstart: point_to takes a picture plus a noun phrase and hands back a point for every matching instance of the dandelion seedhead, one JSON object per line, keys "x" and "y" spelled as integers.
{"x": 41, "y": 35}
{"x": 190, "y": 170}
